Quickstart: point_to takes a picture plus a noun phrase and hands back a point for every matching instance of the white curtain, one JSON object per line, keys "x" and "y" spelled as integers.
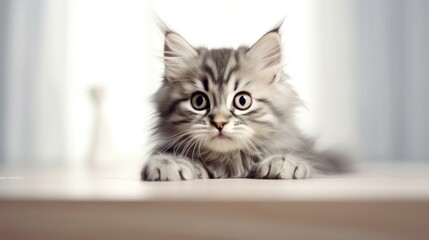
{"x": 393, "y": 38}
{"x": 360, "y": 66}
{"x": 55, "y": 55}
{"x": 33, "y": 81}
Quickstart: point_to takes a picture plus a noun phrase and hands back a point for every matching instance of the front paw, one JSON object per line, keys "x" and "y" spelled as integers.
{"x": 287, "y": 166}
{"x": 166, "y": 167}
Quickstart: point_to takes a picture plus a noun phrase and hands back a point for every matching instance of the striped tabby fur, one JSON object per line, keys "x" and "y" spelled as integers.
{"x": 222, "y": 141}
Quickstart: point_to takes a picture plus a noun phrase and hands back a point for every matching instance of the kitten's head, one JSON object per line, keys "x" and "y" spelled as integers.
{"x": 223, "y": 99}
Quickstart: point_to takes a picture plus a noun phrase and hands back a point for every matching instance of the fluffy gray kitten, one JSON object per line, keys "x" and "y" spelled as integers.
{"x": 227, "y": 113}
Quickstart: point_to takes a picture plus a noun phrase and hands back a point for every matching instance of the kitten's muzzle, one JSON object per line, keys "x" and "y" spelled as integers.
{"x": 219, "y": 125}
{"x": 218, "y": 120}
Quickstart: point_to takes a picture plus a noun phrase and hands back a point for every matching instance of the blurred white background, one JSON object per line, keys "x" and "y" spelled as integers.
{"x": 361, "y": 66}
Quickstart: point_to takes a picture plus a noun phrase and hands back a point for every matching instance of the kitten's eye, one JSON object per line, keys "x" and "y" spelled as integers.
{"x": 242, "y": 101}
{"x": 199, "y": 101}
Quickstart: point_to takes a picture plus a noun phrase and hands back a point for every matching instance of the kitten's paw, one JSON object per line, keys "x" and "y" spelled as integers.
{"x": 286, "y": 166}
{"x": 166, "y": 167}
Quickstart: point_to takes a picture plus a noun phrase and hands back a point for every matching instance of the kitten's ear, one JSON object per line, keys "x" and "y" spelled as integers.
{"x": 177, "y": 51}
{"x": 175, "y": 46}
{"x": 265, "y": 56}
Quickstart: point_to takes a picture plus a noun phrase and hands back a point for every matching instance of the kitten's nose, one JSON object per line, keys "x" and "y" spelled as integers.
{"x": 219, "y": 125}
{"x": 219, "y": 120}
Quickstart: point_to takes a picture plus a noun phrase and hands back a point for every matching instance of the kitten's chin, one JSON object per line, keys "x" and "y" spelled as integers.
{"x": 222, "y": 145}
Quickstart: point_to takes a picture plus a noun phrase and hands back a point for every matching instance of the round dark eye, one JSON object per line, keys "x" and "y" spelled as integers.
{"x": 199, "y": 101}
{"x": 242, "y": 101}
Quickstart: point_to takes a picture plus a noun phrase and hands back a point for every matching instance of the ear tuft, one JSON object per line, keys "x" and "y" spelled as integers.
{"x": 175, "y": 46}
{"x": 177, "y": 54}
{"x": 267, "y": 51}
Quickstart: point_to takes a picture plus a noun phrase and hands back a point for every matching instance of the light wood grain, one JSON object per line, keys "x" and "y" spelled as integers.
{"x": 213, "y": 220}
{"x": 385, "y": 202}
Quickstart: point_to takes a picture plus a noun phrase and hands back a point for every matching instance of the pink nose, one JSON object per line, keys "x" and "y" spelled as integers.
{"x": 219, "y": 125}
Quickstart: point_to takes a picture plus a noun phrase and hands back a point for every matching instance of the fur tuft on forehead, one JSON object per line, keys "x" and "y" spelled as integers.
{"x": 183, "y": 62}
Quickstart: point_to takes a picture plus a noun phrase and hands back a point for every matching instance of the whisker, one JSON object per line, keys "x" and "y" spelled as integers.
{"x": 177, "y": 138}
{"x": 180, "y": 144}
{"x": 188, "y": 146}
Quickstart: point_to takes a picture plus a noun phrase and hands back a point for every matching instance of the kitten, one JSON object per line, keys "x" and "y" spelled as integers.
{"x": 227, "y": 113}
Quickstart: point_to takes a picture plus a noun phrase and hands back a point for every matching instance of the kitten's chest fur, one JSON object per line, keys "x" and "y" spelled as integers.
{"x": 229, "y": 165}
{"x": 233, "y": 164}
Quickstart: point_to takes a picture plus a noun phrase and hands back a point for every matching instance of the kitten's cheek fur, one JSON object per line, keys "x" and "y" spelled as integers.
{"x": 166, "y": 167}
{"x": 287, "y": 166}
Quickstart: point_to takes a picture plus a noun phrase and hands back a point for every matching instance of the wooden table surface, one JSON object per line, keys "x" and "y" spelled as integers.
{"x": 377, "y": 202}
